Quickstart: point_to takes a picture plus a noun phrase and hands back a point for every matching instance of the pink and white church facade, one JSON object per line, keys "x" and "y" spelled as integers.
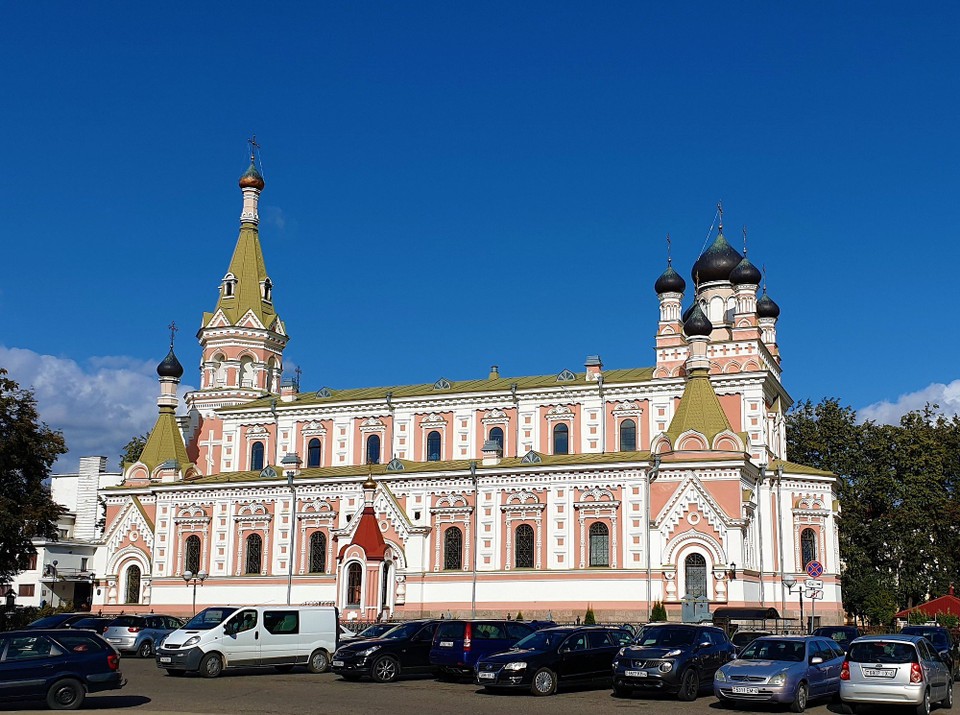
{"x": 608, "y": 488}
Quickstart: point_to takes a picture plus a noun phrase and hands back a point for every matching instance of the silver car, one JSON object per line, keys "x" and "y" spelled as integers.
{"x": 895, "y": 670}
{"x": 140, "y": 634}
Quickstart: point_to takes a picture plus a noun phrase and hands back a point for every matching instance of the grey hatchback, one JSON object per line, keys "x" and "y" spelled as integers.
{"x": 140, "y": 634}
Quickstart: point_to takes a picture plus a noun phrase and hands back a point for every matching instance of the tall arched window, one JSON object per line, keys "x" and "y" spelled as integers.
{"x": 313, "y": 453}
{"x": 808, "y": 546}
{"x": 246, "y": 372}
{"x": 256, "y": 456}
{"x": 254, "y": 554}
{"x": 385, "y": 585}
{"x": 133, "y": 585}
{"x": 219, "y": 371}
{"x": 191, "y": 550}
{"x": 452, "y": 549}
{"x": 628, "y": 436}
{"x": 523, "y": 548}
{"x": 599, "y": 544}
{"x": 318, "y": 552}
{"x": 373, "y": 449}
{"x": 496, "y": 435}
{"x": 354, "y": 581}
{"x": 560, "y": 439}
{"x": 433, "y": 446}
{"x": 695, "y": 575}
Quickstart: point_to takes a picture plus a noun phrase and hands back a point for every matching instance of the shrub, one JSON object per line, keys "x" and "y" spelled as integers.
{"x": 948, "y": 620}
{"x": 589, "y": 619}
{"x": 659, "y": 612}
{"x": 917, "y": 618}
{"x": 519, "y": 615}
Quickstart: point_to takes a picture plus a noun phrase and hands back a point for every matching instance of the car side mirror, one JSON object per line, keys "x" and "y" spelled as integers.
{"x": 816, "y": 660}
{"x": 704, "y": 644}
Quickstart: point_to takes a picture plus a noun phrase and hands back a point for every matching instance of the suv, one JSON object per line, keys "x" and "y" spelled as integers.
{"x": 673, "y": 658}
{"x": 844, "y": 635}
{"x": 58, "y": 620}
{"x": 61, "y": 666}
{"x": 458, "y": 644}
{"x": 939, "y": 637}
{"x": 405, "y": 648}
{"x": 140, "y": 634}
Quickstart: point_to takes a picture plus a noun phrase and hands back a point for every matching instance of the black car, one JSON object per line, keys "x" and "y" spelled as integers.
{"x": 403, "y": 649}
{"x": 553, "y": 657}
{"x": 673, "y": 658}
{"x": 60, "y": 666}
{"x": 92, "y": 623}
{"x": 741, "y": 639}
{"x": 57, "y": 620}
{"x": 941, "y": 640}
{"x": 843, "y": 635}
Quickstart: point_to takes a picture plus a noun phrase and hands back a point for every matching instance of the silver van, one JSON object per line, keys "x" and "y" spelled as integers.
{"x": 895, "y": 670}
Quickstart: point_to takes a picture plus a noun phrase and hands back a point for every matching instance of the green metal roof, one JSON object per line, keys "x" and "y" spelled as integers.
{"x": 165, "y": 443}
{"x": 249, "y": 268}
{"x": 502, "y": 384}
{"x": 699, "y": 410}
{"x": 794, "y": 468}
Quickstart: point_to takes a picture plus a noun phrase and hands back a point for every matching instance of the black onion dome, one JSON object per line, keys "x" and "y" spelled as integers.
{"x": 745, "y": 274}
{"x": 170, "y": 367}
{"x": 766, "y": 308}
{"x": 686, "y": 313}
{"x": 251, "y": 177}
{"x": 698, "y": 323}
{"x": 670, "y": 282}
{"x": 717, "y": 262}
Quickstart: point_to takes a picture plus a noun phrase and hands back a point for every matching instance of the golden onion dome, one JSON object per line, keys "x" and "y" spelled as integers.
{"x": 251, "y": 177}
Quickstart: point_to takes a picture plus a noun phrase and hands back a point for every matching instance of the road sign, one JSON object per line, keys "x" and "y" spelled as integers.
{"x": 814, "y": 594}
{"x": 814, "y": 569}
{"x": 813, "y": 583}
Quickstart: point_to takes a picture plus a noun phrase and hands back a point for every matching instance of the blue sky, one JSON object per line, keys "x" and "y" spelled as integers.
{"x": 451, "y": 186}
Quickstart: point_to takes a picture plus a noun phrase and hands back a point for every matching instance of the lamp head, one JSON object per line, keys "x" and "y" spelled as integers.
{"x": 202, "y": 575}
{"x": 187, "y": 575}
{"x": 789, "y": 581}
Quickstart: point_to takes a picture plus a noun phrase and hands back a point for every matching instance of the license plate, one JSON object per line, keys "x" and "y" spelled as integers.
{"x": 166, "y": 659}
{"x": 636, "y": 673}
{"x": 337, "y": 663}
{"x": 114, "y": 640}
{"x": 746, "y": 691}
{"x": 446, "y": 644}
{"x": 487, "y": 676}
{"x": 879, "y": 672}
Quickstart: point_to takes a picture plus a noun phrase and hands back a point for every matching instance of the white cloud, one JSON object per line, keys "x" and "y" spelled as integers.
{"x": 885, "y": 412}
{"x": 98, "y": 404}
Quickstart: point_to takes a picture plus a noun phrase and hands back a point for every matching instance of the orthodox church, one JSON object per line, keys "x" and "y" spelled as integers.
{"x": 608, "y": 488}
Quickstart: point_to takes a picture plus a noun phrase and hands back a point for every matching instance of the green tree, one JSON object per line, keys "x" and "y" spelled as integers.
{"x": 133, "y": 449}
{"x": 28, "y": 449}
{"x": 589, "y": 619}
{"x": 658, "y": 613}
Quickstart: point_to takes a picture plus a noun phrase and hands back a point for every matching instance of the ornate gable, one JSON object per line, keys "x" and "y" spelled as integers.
{"x": 690, "y": 492}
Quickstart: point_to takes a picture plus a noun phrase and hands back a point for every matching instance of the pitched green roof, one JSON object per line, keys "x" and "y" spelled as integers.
{"x": 502, "y": 384}
{"x": 143, "y": 513}
{"x": 248, "y": 267}
{"x": 699, "y": 410}
{"x": 165, "y": 443}
{"x": 794, "y": 468}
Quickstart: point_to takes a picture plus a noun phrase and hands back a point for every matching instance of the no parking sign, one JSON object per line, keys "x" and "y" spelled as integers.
{"x": 814, "y": 569}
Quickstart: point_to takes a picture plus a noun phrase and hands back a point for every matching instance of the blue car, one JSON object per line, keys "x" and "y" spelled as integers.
{"x": 59, "y": 666}
{"x": 458, "y": 645}
{"x": 782, "y": 669}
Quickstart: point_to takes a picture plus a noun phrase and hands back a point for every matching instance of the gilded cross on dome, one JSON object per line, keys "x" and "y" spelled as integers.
{"x": 252, "y": 141}
{"x": 173, "y": 332}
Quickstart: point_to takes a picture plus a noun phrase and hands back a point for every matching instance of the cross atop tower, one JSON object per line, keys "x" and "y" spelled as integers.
{"x": 720, "y": 212}
{"x": 744, "y": 240}
{"x": 252, "y": 141}
{"x": 669, "y": 259}
{"x": 173, "y": 332}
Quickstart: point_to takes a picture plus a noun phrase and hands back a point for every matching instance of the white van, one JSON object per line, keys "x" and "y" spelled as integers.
{"x": 250, "y": 636}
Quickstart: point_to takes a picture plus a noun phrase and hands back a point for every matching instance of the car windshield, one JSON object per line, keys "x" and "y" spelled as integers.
{"x": 790, "y": 651}
{"x": 665, "y": 637}
{"x": 49, "y": 621}
{"x": 402, "y": 631}
{"x": 934, "y": 635}
{"x": 840, "y": 636}
{"x": 376, "y": 630}
{"x": 541, "y": 640}
{"x": 208, "y": 618}
{"x": 126, "y": 621}
{"x": 883, "y": 652}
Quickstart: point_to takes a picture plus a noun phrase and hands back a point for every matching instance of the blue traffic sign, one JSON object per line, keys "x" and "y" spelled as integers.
{"x": 814, "y": 569}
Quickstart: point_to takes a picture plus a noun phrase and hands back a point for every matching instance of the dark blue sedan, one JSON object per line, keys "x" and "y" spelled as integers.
{"x": 782, "y": 669}
{"x": 59, "y": 666}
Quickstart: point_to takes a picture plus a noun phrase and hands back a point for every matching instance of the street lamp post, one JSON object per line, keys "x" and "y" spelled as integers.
{"x": 476, "y": 505}
{"x": 191, "y": 577}
{"x": 789, "y": 580}
{"x": 651, "y": 476}
{"x": 291, "y": 461}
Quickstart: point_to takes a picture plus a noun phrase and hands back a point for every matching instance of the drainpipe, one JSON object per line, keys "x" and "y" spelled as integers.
{"x": 759, "y": 517}
{"x": 651, "y": 476}
{"x": 516, "y": 405}
{"x": 783, "y": 595}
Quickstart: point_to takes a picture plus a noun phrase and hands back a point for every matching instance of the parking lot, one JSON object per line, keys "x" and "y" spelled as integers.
{"x": 266, "y": 691}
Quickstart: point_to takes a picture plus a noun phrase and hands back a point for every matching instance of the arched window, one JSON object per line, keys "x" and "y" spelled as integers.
{"x": 385, "y": 586}
{"x": 191, "y": 559}
{"x": 246, "y": 372}
{"x": 318, "y": 552}
{"x": 256, "y": 456}
{"x": 373, "y": 449}
{"x": 433, "y": 446}
{"x": 313, "y": 453}
{"x": 254, "y": 554}
{"x": 133, "y": 585}
{"x": 695, "y": 573}
{"x": 354, "y": 580}
{"x": 560, "y": 443}
{"x": 808, "y": 546}
{"x": 452, "y": 549}
{"x": 628, "y": 436}
{"x": 599, "y": 544}
{"x": 523, "y": 549}
{"x": 219, "y": 371}
{"x": 496, "y": 435}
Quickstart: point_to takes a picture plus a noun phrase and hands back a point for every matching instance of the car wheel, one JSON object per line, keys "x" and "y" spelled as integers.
{"x": 176, "y": 673}
{"x": 924, "y": 707}
{"x": 621, "y": 690}
{"x": 66, "y": 694}
{"x": 689, "y": 686}
{"x": 799, "y": 703}
{"x": 947, "y": 702}
{"x": 145, "y": 650}
{"x": 285, "y": 668}
{"x": 319, "y": 661}
{"x": 386, "y": 669}
{"x": 544, "y": 682}
{"x": 211, "y": 665}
